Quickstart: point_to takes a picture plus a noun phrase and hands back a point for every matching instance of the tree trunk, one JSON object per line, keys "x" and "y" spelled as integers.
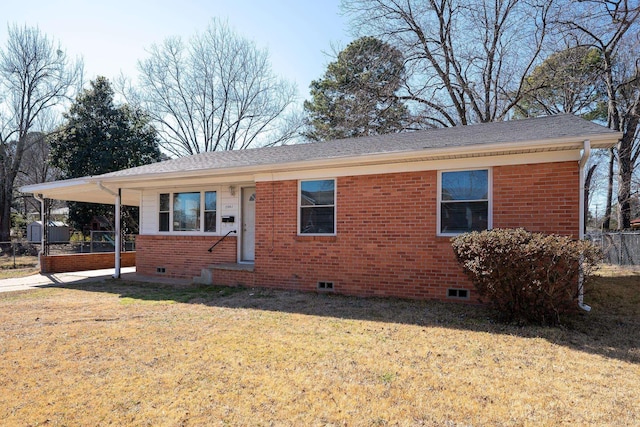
{"x": 606, "y": 223}
{"x": 625, "y": 166}
{"x": 5, "y": 217}
{"x": 11, "y": 165}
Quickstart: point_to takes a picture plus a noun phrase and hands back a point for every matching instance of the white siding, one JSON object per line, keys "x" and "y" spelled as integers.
{"x": 228, "y": 204}
{"x": 149, "y": 212}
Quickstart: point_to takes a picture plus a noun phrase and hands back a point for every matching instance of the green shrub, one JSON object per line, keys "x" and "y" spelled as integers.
{"x": 18, "y": 224}
{"x": 527, "y": 277}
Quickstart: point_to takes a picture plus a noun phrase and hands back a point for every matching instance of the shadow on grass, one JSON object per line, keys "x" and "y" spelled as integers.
{"x": 611, "y": 329}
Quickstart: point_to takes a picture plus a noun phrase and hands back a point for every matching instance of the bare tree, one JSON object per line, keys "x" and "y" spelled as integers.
{"x": 613, "y": 27}
{"x": 34, "y": 169}
{"x": 466, "y": 60}
{"x": 35, "y": 75}
{"x": 216, "y": 92}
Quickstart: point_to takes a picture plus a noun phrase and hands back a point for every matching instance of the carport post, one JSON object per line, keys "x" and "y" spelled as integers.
{"x": 118, "y": 196}
{"x": 118, "y": 221}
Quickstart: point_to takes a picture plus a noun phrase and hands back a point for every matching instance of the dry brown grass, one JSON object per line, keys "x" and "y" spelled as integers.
{"x": 17, "y": 267}
{"x": 131, "y": 354}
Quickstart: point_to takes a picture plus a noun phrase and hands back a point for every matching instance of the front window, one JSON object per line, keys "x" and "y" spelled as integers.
{"x": 186, "y": 211}
{"x": 464, "y": 201}
{"x": 317, "y": 207}
{"x": 164, "y": 212}
{"x": 210, "y": 203}
{"x": 193, "y": 211}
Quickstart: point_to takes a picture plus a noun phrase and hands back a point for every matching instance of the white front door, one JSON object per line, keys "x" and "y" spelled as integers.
{"x": 248, "y": 238}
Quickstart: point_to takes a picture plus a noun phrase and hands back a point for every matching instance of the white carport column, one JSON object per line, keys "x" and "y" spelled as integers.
{"x": 118, "y": 221}
{"x": 118, "y": 248}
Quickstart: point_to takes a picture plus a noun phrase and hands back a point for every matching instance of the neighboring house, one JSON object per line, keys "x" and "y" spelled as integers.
{"x": 365, "y": 216}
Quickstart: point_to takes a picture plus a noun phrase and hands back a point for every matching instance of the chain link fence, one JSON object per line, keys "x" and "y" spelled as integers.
{"x": 20, "y": 252}
{"x": 621, "y": 248}
{"x": 17, "y": 255}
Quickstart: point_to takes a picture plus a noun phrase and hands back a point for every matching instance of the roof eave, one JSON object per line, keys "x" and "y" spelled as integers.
{"x": 46, "y": 186}
{"x": 84, "y": 189}
{"x": 606, "y": 140}
{"x": 90, "y": 183}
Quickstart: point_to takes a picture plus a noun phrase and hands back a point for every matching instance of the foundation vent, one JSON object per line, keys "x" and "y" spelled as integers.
{"x": 161, "y": 270}
{"x": 457, "y": 293}
{"x": 325, "y": 286}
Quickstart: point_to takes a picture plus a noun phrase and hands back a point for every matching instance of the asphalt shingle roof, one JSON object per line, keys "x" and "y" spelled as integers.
{"x": 473, "y": 136}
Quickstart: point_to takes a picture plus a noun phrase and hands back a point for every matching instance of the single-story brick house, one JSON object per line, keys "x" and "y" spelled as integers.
{"x": 370, "y": 216}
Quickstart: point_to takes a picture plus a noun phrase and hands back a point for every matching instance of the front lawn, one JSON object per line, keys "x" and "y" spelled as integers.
{"x": 119, "y": 353}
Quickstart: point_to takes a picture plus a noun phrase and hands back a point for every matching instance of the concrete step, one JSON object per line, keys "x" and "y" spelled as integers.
{"x": 206, "y": 274}
{"x": 232, "y": 266}
{"x": 205, "y": 277}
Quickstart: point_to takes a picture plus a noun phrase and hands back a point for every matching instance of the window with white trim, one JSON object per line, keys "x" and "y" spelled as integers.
{"x": 164, "y": 212}
{"x": 186, "y": 211}
{"x": 210, "y": 209}
{"x": 464, "y": 201}
{"x": 183, "y": 211}
{"x": 317, "y": 207}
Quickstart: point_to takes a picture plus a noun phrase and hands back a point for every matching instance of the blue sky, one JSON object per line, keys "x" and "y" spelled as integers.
{"x": 112, "y": 36}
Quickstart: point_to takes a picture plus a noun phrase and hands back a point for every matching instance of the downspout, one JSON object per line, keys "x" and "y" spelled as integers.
{"x": 39, "y": 198}
{"x": 118, "y": 244}
{"x": 584, "y": 158}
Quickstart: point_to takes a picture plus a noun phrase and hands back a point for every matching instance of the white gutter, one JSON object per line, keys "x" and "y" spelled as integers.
{"x": 39, "y": 198}
{"x": 379, "y": 158}
{"x": 584, "y": 158}
{"x": 118, "y": 243}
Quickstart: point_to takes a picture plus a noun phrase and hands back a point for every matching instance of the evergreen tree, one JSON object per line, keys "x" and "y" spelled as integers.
{"x": 357, "y": 94}
{"x": 568, "y": 81}
{"x": 99, "y": 137}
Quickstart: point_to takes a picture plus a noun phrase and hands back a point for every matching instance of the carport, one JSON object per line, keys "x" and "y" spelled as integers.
{"x": 90, "y": 190}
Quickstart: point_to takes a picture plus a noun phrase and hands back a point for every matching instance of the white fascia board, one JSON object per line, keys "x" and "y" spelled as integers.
{"x": 552, "y": 145}
{"x": 425, "y": 165}
{"x": 164, "y": 182}
{"x": 46, "y": 186}
{"x": 220, "y": 175}
{"x": 381, "y": 162}
{"x": 81, "y": 190}
{"x": 489, "y": 150}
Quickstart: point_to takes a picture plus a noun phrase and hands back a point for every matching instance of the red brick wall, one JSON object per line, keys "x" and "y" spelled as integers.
{"x": 233, "y": 278}
{"x": 181, "y": 256}
{"x": 541, "y": 198}
{"x": 386, "y": 241}
{"x": 81, "y": 262}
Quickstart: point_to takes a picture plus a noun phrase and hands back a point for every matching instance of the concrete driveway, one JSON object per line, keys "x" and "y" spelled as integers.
{"x": 41, "y": 280}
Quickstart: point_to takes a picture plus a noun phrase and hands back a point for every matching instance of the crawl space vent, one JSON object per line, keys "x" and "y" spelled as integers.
{"x": 325, "y": 286}
{"x": 457, "y": 293}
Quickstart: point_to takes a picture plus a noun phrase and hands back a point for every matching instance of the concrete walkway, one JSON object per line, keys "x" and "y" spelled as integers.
{"x": 42, "y": 280}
